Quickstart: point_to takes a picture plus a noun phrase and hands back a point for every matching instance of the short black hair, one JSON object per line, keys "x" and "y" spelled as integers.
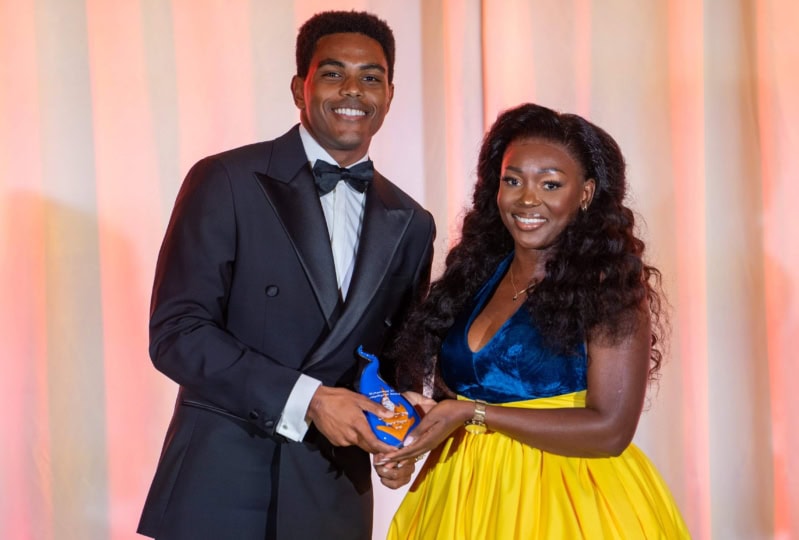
{"x": 338, "y": 22}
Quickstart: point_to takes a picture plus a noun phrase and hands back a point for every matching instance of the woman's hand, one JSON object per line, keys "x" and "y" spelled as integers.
{"x": 437, "y": 424}
{"x": 421, "y": 403}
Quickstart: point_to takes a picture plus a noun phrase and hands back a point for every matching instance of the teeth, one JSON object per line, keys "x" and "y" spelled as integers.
{"x": 529, "y": 221}
{"x": 349, "y": 112}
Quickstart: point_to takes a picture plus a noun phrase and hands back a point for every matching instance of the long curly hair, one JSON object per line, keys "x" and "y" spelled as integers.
{"x": 596, "y": 283}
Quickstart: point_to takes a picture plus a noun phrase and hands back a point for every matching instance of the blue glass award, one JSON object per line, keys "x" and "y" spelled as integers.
{"x": 391, "y": 430}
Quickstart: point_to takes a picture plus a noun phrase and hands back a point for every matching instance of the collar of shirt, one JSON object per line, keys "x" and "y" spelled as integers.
{"x": 314, "y": 150}
{"x": 343, "y": 208}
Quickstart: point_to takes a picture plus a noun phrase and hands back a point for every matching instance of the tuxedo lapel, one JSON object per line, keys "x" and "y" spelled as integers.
{"x": 384, "y": 225}
{"x": 289, "y": 188}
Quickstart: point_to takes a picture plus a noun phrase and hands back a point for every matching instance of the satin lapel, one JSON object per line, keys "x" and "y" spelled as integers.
{"x": 384, "y": 226}
{"x": 290, "y": 190}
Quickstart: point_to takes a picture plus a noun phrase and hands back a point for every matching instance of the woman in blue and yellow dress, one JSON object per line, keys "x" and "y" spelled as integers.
{"x": 538, "y": 343}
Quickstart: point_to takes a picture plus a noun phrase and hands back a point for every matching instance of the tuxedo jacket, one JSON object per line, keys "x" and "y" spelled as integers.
{"x": 245, "y": 299}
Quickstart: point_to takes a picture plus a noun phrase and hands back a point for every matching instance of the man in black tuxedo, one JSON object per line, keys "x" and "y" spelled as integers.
{"x": 266, "y": 284}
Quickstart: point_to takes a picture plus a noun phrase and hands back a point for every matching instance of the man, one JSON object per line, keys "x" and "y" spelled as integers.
{"x": 265, "y": 287}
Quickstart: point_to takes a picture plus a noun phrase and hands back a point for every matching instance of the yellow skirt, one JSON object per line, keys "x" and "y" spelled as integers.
{"x": 491, "y": 487}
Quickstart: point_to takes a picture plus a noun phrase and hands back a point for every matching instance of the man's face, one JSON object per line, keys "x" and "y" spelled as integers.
{"x": 346, "y": 94}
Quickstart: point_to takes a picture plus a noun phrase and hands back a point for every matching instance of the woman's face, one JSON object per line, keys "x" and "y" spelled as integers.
{"x": 541, "y": 189}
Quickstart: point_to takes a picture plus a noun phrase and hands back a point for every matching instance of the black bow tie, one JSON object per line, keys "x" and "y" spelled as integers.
{"x": 327, "y": 175}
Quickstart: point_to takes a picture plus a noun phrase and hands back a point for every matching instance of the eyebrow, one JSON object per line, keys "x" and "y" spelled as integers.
{"x": 538, "y": 171}
{"x": 338, "y": 63}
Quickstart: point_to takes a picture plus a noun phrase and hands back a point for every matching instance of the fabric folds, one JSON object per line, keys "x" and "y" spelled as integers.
{"x": 492, "y": 487}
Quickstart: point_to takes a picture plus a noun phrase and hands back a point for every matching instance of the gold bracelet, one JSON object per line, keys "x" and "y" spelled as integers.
{"x": 477, "y": 423}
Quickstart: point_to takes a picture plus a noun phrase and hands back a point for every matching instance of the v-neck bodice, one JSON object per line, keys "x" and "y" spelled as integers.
{"x": 513, "y": 365}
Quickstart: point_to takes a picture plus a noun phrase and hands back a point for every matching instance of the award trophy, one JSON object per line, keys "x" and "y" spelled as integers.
{"x": 390, "y": 430}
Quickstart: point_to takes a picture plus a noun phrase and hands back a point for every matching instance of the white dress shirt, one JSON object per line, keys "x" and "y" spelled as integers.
{"x": 343, "y": 208}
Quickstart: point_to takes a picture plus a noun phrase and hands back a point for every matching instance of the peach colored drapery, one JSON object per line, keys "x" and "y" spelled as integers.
{"x": 104, "y": 106}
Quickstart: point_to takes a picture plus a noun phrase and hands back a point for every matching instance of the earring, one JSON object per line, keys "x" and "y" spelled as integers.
{"x": 584, "y": 207}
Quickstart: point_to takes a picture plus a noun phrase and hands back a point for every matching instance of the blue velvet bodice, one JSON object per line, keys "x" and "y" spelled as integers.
{"x": 513, "y": 365}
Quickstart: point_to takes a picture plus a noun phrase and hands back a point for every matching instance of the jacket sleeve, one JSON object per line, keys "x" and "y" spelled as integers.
{"x": 188, "y": 338}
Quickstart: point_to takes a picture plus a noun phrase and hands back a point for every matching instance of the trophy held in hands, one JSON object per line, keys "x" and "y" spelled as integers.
{"x": 390, "y": 430}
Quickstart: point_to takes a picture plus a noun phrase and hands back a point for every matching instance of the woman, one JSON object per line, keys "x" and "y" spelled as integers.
{"x": 546, "y": 326}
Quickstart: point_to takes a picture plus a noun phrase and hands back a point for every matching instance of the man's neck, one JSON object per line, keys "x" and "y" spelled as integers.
{"x": 314, "y": 151}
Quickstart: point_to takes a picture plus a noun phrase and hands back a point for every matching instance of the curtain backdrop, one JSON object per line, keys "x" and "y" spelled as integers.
{"x": 105, "y": 104}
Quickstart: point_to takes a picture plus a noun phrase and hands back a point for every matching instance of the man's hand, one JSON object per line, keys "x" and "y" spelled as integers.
{"x": 394, "y": 475}
{"x": 338, "y": 414}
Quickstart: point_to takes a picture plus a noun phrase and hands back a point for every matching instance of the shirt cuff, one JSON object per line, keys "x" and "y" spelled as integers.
{"x": 293, "y": 424}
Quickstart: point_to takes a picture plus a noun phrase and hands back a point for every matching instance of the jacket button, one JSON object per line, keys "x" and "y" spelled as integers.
{"x": 254, "y": 415}
{"x": 272, "y": 290}
{"x": 269, "y": 424}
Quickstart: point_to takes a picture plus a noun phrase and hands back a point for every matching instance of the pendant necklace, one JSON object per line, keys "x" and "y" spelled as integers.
{"x": 513, "y": 285}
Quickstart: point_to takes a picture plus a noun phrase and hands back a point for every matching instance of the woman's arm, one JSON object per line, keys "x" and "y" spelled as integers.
{"x": 617, "y": 381}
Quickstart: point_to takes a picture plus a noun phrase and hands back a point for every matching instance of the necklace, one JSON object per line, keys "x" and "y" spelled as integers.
{"x": 513, "y": 285}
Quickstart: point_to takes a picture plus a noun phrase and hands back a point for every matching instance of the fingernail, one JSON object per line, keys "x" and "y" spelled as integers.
{"x": 408, "y": 441}
{"x": 399, "y": 465}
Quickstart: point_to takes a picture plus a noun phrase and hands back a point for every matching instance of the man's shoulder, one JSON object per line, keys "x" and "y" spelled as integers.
{"x": 260, "y": 151}
{"x": 399, "y": 197}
